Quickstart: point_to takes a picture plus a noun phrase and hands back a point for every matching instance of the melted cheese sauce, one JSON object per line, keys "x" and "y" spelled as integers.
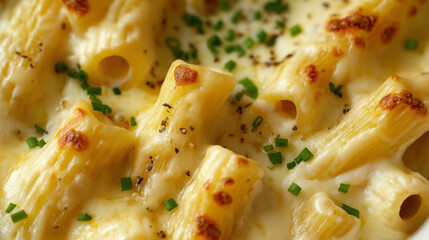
{"x": 124, "y": 215}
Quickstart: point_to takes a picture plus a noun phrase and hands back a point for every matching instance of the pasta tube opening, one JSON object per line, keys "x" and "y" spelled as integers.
{"x": 113, "y": 69}
{"x": 287, "y": 107}
{"x": 410, "y": 206}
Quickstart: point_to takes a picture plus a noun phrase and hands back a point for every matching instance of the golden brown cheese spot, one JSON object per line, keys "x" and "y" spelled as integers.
{"x": 390, "y": 101}
{"x": 207, "y": 228}
{"x": 359, "y": 42}
{"x": 336, "y": 52}
{"x": 242, "y": 161}
{"x": 228, "y": 181}
{"x": 336, "y": 25}
{"x": 184, "y": 75}
{"x": 222, "y": 198}
{"x": 80, "y": 7}
{"x": 310, "y": 73}
{"x": 75, "y": 140}
{"x": 79, "y": 114}
{"x": 388, "y": 34}
{"x": 355, "y": 21}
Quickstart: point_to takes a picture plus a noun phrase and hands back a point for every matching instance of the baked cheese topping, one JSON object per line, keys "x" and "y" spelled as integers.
{"x": 213, "y": 119}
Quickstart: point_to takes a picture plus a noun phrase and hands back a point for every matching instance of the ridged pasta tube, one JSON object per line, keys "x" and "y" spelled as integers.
{"x": 177, "y": 127}
{"x": 387, "y": 121}
{"x": 117, "y": 46}
{"x": 320, "y": 218}
{"x": 52, "y": 185}
{"x": 304, "y": 78}
{"x": 28, "y": 37}
{"x": 219, "y": 196}
{"x": 399, "y": 198}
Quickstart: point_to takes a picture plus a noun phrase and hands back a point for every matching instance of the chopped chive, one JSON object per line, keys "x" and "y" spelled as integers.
{"x": 61, "y": 67}
{"x": 72, "y": 72}
{"x": 40, "y": 129}
{"x": 249, "y": 87}
{"x": 133, "y": 121}
{"x": 126, "y": 184}
{"x": 280, "y": 24}
{"x": 294, "y": 189}
{"x": 281, "y": 142}
{"x": 16, "y": 217}
{"x": 212, "y": 43}
{"x": 275, "y": 158}
{"x": 84, "y": 217}
{"x": 239, "y": 96}
{"x": 336, "y": 90}
{"x": 84, "y": 85}
{"x": 41, "y": 143}
{"x": 235, "y": 48}
{"x": 101, "y": 107}
{"x": 236, "y": 17}
{"x": 276, "y": 6}
{"x": 172, "y": 42}
{"x": 262, "y": 36}
{"x": 298, "y": 160}
{"x": 224, "y": 4}
{"x": 10, "y": 207}
{"x": 32, "y": 142}
{"x": 94, "y": 99}
{"x": 248, "y": 42}
{"x": 268, "y": 147}
{"x": 116, "y": 91}
{"x": 305, "y": 155}
{"x": 193, "y": 21}
{"x": 170, "y": 204}
{"x": 350, "y": 210}
{"x": 174, "y": 45}
{"x": 257, "y": 15}
{"x": 411, "y": 44}
{"x": 291, "y": 165}
{"x": 82, "y": 76}
{"x": 257, "y": 122}
{"x": 230, "y": 65}
{"x": 218, "y": 25}
{"x": 344, "y": 188}
{"x": 295, "y": 30}
{"x": 93, "y": 91}
{"x": 230, "y": 35}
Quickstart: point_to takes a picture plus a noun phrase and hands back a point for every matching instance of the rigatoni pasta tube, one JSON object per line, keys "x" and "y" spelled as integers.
{"x": 303, "y": 78}
{"x": 320, "y": 218}
{"x": 118, "y": 50}
{"x": 51, "y": 185}
{"x": 27, "y": 43}
{"x": 182, "y": 117}
{"x": 399, "y": 198}
{"x": 218, "y": 197}
{"x": 391, "y": 118}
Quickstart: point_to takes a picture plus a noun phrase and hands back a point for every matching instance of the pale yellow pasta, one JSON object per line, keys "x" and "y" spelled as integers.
{"x": 117, "y": 43}
{"x": 399, "y": 198}
{"x": 213, "y": 205}
{"x": 26, "y": 46}
{"x": 177, "y": 126}
{"x": 304, "y": 78}
{"x": 52, "y": 186}
{"x": 390, "y": 118}
{"x": 320, "y": 218}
